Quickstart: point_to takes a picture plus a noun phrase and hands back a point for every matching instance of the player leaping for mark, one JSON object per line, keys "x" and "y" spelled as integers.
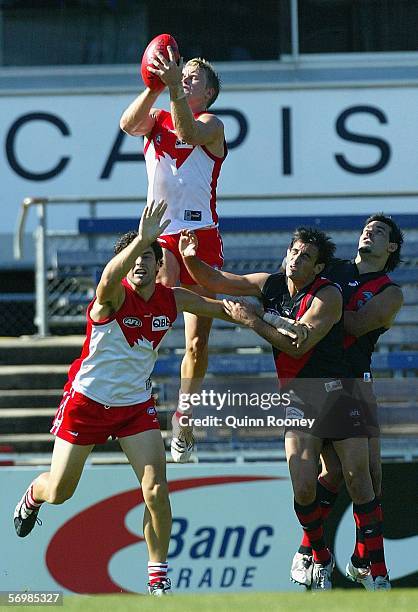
{"x": 184, "y": 151}
{"x": 108, "y": 392}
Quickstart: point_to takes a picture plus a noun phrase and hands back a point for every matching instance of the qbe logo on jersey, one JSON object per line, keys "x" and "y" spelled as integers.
{"x": 160, "y": 323}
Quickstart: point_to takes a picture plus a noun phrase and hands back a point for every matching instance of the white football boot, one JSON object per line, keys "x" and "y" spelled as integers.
{"x": 159, "y": 589}
{"x": 321, "y": 575}
{"x": 361, "y": 575}
{"x": 382, "y": 583}
{"x": 301, "y": 570}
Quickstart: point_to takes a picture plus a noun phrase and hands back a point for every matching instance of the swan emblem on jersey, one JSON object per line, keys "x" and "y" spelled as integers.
{"x": 173, "y": 163}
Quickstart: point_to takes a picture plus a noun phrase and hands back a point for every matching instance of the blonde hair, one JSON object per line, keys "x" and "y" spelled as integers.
{"x": 212, "y": 77}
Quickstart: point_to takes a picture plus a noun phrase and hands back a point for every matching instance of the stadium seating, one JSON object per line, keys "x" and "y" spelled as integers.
{"x": 236, "y": 354}
{"x": 244, "y": 254}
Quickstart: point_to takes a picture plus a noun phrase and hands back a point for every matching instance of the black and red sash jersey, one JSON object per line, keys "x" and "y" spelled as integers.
{"x": 326, "y": 358}
{"x": 357, "y": 290}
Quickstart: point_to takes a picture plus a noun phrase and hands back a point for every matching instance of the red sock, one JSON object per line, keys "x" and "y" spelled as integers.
{"x": 360, "y": 556}
{"x": 368, "y": 521}
{"x": 310, "y": 518}
{"x": 326, "y": 494}
{"x": 157, "y": 571}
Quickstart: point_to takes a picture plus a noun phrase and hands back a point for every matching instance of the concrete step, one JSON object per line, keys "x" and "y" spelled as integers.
{"x": 33, "y": 376}
{"x": 26, "y": 398}
{"x": 42, "y": 443}
{"x": 24, "y": 425}
{"x": 20, "y": 413}
{"x": 31, "y": 349}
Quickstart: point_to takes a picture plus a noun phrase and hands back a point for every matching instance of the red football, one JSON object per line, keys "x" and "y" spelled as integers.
{"x": 158, "y": 44}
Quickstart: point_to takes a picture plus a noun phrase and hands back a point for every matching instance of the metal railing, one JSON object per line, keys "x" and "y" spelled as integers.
{"x": 41, "y": 232}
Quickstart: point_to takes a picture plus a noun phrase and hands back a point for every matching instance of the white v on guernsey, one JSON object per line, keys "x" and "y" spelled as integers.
{"x": 119, "y": 353}
{"x": 183, "y": 175}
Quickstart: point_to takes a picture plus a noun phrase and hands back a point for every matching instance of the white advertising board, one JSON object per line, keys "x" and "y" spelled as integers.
{"x": 230, "y": 532}
{"x": 281, "y": 142}
{"x": 234, "y": 529}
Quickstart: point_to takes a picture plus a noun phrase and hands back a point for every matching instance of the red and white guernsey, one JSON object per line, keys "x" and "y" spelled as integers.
{"x": 183, "y": 175}
{"x": 119, "y": 353}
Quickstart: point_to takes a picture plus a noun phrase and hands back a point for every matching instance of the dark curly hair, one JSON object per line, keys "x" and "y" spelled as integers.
{"x": 308, "y": 235}
{"x": 396, "y": 236}
{"x": 123, "y": 241}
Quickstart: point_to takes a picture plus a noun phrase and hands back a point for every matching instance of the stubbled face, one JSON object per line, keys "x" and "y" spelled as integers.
{"x": 375, "y": 239}
{"x": 195, "y": 86}
{"x": 301, "y": 261}
{"x": 144, "y": 271}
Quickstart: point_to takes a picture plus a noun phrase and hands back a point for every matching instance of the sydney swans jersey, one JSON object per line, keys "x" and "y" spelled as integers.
{"x": 326, "y": 358}
{"x": 119, "y": 353}
{"x": 183, "y": 175}
{"x": 357, "y": 290}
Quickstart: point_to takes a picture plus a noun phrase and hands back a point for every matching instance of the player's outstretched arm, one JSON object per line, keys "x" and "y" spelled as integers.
{"x": 188, "y": 301}
{"x": 109, "y": 289}
{"x": 379, "y": 311}
{"x": 324, "y": 312}
{"x": 216, "y": 280}
{"x": 139, "y": 118}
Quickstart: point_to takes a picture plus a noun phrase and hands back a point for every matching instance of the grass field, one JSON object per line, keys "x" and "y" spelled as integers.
{"x": 339, "y": 600}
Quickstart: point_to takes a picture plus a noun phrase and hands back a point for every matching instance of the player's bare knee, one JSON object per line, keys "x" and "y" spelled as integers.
{"x": 305, "y": 492}
{"x": 358, "y": 482}
{"x": 197, "y": 346}
{"x": 155, "y": 494}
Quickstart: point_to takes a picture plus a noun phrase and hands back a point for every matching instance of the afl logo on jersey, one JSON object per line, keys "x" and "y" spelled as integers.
{"x": 160, "y": 323}
{"x": 132, "y": 322}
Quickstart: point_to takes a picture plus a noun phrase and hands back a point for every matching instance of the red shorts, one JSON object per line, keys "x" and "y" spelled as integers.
{"x": 209, "y": 250}
{"x": 80, "y": 420}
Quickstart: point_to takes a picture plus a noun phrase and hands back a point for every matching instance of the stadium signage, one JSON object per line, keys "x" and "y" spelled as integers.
{"x": 117, "y": 156}
{"x": 327, "y": 140}
{"x": 218, "y": 553}
{"x": 234, "y": 530}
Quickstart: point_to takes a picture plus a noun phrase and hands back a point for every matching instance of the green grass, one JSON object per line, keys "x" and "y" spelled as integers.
{"x": 397, "y": 600}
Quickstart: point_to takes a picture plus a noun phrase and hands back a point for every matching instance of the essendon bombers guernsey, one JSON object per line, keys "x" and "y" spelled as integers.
{"x": 183, "y": 175}
{"x": 119, "y": 353}
{"x": 326, "y": 358}
{"x": 357, "y": 290}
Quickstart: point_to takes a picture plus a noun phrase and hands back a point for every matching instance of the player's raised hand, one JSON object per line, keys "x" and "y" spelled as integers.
{"x": 188, "y": 243}
{"x": 169, "y": 71}
{"x": 150, "y": 226}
